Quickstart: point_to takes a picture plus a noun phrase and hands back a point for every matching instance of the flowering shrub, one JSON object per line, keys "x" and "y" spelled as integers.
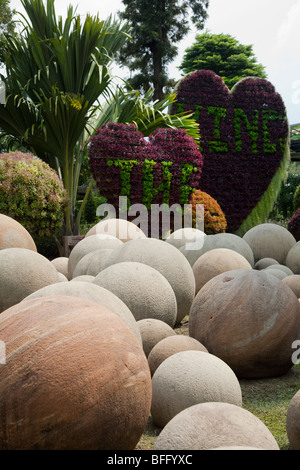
{"x": 31, "y": 193}
{"x": 244, "y": 135}
{"x": 294, "y": 225}
{"x": 214, "y": 218}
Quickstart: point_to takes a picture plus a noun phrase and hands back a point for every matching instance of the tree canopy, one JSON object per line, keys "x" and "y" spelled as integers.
{"x": 6, "y": 25}
{"x": 156, "y": 27}
{"x": 224, "y": 55}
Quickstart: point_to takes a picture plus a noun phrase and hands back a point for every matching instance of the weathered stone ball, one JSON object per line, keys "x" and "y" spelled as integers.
{"x": 217, "y": 261}
{"x": 249, "y": 319}
{"x": 166, "y": 259}
{"x": 206, "y": 426}
{"x": 89, "y": 244}
{"x": 190, "y": 377}
{"x": 293, "y": 258}
{"x": 22, "y": 272}
{"x": 293, "y": 282}
{"x": 282, "y": 268}
{"x": 277, "y": 272}
{"x": 293, "y": 422}
{"x": 62, "y": 277}
{"x": 270, "y": 241}
{"x": 265, "y": 263}
{"x": 152, "y": 331}
{"x": 14, "y": 235}
{"x": 187, "y": 235}
{"x": 61, "y": 265}
{"x": 75, "y": 378}
{"x": 119, "y": 228}
{"x": 92, "y": 263}
{"x": 172, "y": 345}
{"x": 84, "y": 278}
{"x": 144, "y": 290}
{"x": 97, "y": 294}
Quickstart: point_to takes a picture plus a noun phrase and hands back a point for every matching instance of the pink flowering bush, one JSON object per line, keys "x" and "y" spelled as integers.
{"x": 31, "y": 193}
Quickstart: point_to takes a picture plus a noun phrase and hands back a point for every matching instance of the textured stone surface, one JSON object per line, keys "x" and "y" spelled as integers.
{"x": 169, "y": 346}
{"x": 192, "y": 236}
{"x": 294, "y": 283}
{"x": 92, "y": 263}
{"x": 265, "y": 263}
{"x": 277, "y": 272}
{"x": 14, "y": 235}
{"x": 209, "y": 425}
{"x": 293, "y": 422}
{"x": 293, "y": 258}
{"x": 249, "y": 319}
{"x": 270, "y": 241}
{"x": 152, "y": 331}
{"x": 84, "y": 278}
{"x": 76, "y": 378}
{"x": 119, "y": 228}
{"x": 282, "y": 268}
{"x": 166, "y": 259}
{"x": 61, "y": 265}
{"x": 217, "y": 261}
{"x": 22, "y": 272}
{"x": 190, "y": 377}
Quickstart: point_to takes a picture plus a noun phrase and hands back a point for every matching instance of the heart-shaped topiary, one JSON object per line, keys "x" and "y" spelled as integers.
{"x": 161, "y": 170}
{"x": 244, "y": 143}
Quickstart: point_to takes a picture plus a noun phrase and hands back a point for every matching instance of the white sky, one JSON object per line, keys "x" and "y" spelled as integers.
{"x": 271, "y": 26}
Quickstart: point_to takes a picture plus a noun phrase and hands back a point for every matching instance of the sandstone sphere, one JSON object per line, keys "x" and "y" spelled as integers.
{"x": 172, "y": 345}
{"x": 265, "y": 263}
{"x": 97, "y": 294}
{"x": 89, "y": 244}
{"x": 22, "y": 272}
{"x": 144, "y": 290}
{"x": 270, "y": 241}
{"x": 294, "y": 283}
{"x": 61, "y": 265}
{"x": 62, "y": 277}
{"x": 84, "y": 278}
{"x": 166, "y": 259}
{"x": 249, "y": 319}
{"x": 14, "y": 235}
{"x": 191, "y": 236}
{"x": 152, "y": 331}
{"x": 293, "y": 258}
{"x": 277, "y": 273}
{"x": 217, "y": 261}
{"x": 190, "y": 377}
{"x": 119, "y": 228}
{"x": 206, "y": 426}
{"x": 282, "y": 268}
{"x": 293, "y": 422}
{"x": 92, "y": 263}
{"x": 56, "y": 388}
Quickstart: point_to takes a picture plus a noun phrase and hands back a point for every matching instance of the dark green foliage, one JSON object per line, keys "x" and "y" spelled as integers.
{"x": 288, "y": 202}
{"x": 6, "y": 25}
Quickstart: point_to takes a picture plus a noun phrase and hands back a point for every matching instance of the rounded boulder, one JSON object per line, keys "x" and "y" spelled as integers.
{"x": 294, "y": 283}
{"x": 249, "y": 319}
{"x": 293, "y": 258}
{"x": 293, "y": 422}
{"x": 14, "y": 235}
{"x": 193, "y": 237}
{"x": 152, "y": 331}
{"x": 92, "y": 263}
{"x": 265, "y": 263}
{"x": 61, "y": 265}
{"x": 119, "y": 228}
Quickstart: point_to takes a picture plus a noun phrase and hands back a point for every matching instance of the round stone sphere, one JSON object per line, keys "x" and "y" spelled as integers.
{"x": 97, "y": 294}
{"x": 56, "y": 387}
{"x": 190, "y": 377}
{"x": 166, "y": 259}
{"x": 92, "y": 263}
{"x": 270, "y": 241}
{"x": 187, "y": 235}
{"x": 293, "y": 258}
{"x": 294, "y": 283}
{"x": 282, "y": 268}
{"x": 293, "y": 422}
{"x": 211, "y": 425}
{"x": 152, "y": 331}
{"x": 61, "y": 265}
{"x": 14, "y": 235}
{"x": 144, "y": 290}
{"x": 89, "y": 244}
{"x": 249, "y": 319}
{"x": 217, "y": 261}
{"x": 22, "y": 272}
{"x": 84, "y": 278}
{"x": 172, "y": 345}
{"x": 119, "y": 228}
{"x": 265, "y": 263}
{"x": 277, "y": 272}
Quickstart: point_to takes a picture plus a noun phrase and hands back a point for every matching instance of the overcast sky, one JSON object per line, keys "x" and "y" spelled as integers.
{"x": 271, "y": 26}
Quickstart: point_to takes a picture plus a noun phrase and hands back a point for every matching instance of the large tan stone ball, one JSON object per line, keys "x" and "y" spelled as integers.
{"x": 207, "y": 426}
{"x": 166, "y": 259}
{"x": 190, "y": 377}
{"x": 61, "y": 265}
{"x": 14, "y": 235}
{"x": 293, "y": 282}
{"x": 92, "y": 263}
{"x": 75, "y": 378}
{"x": 194, "y": 238}
{"x": 144, "y": 290}
{"x": 293, "y": 422}
{"x": 90, "y": 291}
{"x": 119, "y": 228}
{"x": 22, "y": 272}
{"x": 293, "y": 258}
{"x": 152, "y": 331}
{"x": 249, "y": 319}
{"x": 270, "y": 241}
{"x": 89, "y": 244}
{"x": 172, "y": 345}
{"x": 217, "y": 261}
